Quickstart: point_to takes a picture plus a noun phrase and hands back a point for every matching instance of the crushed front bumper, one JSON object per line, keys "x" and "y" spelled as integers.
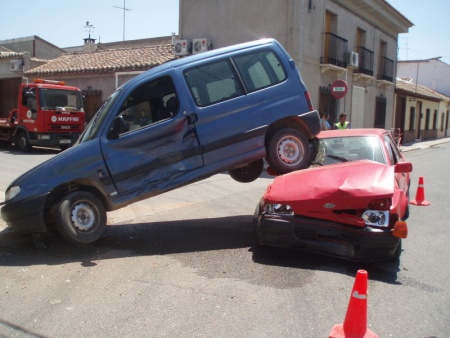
{"x": 325, "y": 237}
{"x": 25, "y": 216}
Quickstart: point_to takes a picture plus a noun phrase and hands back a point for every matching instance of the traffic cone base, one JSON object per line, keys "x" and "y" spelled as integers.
{"x": 420, "y": 195}
{"x": 355, "y": 322}
{"x": 338, "y": 332}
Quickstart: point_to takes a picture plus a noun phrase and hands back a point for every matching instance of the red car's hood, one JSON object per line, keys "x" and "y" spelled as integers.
{"x": 346, "y": 186}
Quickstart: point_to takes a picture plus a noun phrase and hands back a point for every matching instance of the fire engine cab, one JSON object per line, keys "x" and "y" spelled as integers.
{"x": 48, "y": 114}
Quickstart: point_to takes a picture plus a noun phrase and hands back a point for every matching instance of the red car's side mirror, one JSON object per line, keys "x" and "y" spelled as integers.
{"x": 403, "y": 167}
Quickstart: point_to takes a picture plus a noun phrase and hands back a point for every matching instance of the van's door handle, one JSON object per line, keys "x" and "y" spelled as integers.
{"x": 192, "y": 118}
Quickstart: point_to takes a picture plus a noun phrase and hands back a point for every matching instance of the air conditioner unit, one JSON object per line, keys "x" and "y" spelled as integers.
{"x": 182, "y": 47}
{"x": 201, "y": 45}
{"x": 16, "y": 65}
{"x": 352, "y": 59}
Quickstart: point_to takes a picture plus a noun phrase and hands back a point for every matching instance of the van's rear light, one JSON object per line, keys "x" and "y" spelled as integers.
{"x": 379, "y": 204}
{"x": 308, "y": 100}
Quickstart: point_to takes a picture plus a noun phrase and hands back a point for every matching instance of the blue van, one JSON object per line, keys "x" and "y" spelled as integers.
{"x": 222, "y": 110}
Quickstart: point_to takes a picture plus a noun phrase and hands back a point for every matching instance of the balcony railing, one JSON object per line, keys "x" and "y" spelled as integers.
{"x": 365, "y": 63}
{"x": 386, "y": 70}
{"x": 334, "y": 50}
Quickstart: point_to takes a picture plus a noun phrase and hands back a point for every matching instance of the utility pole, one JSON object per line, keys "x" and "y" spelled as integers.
{"x": 124, "y": 9}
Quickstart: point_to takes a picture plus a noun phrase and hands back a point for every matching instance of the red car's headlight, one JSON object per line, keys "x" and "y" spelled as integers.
{"x": 379, "y": 218}
{"x": 277, "y": 209}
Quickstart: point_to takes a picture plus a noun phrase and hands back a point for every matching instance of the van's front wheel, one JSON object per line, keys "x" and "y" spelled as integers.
{"x": 81, "y": 217}
{"x": 288, "y": 150}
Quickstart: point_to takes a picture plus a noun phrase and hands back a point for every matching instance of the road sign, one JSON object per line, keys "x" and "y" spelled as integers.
{"x": 338, "y": 89}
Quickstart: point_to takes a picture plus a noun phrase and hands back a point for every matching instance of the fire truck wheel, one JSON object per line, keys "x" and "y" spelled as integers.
{"x": 22, "y": 143}
{"x": 81, "y": 217}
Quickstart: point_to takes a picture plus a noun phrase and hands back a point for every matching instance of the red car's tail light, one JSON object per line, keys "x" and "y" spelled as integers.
{"x": 380, "y": 204}
{"x": 400, "y": 229}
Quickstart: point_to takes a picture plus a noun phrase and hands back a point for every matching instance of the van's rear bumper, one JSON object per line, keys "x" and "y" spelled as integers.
{"x": 25, "y": 216}
{"x": 312, "y": 120}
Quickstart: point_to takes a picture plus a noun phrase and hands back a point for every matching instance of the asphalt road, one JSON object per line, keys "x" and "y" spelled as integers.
{"x": 183, "y": 264}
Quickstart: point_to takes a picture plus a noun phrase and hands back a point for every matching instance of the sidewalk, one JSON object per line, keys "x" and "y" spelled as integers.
{"x": 423, "y": 144}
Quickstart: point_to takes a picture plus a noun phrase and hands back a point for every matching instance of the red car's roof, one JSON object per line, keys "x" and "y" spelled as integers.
{"x": 352, "y": 132}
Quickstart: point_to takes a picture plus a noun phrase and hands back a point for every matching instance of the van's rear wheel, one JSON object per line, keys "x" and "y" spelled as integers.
{"x": 81, "y": 217}
{"x": 288, "y": 150}
{"x": 22, "y": 143}
{"x": 247, "y": 173}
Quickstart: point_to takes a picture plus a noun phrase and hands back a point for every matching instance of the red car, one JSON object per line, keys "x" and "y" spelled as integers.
{"x": 352, "y": 202}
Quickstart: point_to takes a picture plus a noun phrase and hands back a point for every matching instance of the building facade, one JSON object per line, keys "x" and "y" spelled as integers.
{"x": 350, "y": 40}
{"x": 421, "y": 112}
{"x": 425, "y": 119}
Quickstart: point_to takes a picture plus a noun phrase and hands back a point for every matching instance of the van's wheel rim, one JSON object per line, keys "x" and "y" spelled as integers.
{"x": 83, "y": 217}
{"x": 290, "y": 150}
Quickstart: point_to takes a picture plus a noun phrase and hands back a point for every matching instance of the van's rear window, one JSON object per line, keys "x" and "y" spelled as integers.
{"x": 219, "y": 81}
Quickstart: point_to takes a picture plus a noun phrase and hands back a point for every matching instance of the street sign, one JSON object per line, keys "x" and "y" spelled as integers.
{"x": 338, "y": 89}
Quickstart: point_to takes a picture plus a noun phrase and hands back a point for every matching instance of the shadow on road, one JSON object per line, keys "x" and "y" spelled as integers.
{"x": 182, "y": 236}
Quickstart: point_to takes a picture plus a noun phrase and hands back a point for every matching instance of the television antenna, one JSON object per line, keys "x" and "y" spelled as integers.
{"x": 89, "y": 28}
{"x": 124, "y": 10}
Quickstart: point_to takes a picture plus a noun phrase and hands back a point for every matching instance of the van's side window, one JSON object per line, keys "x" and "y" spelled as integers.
{"x": 212, "y": 83}
{"x": 259, "y": 70}
{"x": 149, "y": 103}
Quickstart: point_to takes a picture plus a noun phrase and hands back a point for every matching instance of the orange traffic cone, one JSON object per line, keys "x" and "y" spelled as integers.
{"x": 420, "y": 194}
{"x": 355, "y": 323}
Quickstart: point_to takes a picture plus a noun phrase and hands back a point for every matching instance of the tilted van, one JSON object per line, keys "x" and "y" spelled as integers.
{"x": 222, "y": 110}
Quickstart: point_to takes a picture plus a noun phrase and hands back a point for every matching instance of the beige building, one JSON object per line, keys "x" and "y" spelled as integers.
{"x": 424, "y": 111}
{"x": 350, "y": 40}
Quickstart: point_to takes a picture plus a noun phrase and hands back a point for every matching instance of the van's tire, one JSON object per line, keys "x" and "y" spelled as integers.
{"x": 288, "y": 150}
{"x": 21, "y": 142}
{"x": 81, "y": 217}
{"x": 248, "y": 173}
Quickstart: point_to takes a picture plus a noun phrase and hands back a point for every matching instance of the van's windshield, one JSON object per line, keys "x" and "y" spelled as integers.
{"x": 93, "y": 127}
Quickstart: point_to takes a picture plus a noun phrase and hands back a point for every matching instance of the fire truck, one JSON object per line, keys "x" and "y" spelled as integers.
{"x": 49, "y": 114}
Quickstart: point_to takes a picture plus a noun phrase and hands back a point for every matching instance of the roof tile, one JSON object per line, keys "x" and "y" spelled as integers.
{"x": 141, "y": 58}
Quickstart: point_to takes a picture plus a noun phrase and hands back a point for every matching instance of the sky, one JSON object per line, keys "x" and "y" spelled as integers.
{"x": 429, "y": 37}
{"x": 63, "y": 23}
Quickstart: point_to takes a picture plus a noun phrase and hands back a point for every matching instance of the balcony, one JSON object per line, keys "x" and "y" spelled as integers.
{"x": 386, "y": 75}
{"x": 334, "y": 57}
{"x": 364, "y": 71}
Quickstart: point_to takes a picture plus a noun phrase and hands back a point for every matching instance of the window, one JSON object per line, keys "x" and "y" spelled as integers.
{"x": 435, "y": 116}
{"x": 380, "y": 112}
{"x": 149, "y": 103}
{"x": 427, "y": 119}
{"x": 412, "y": 117}
{"x": 212, "y": 83}
{"x": 259, "y": 70}
{"x": 219, "y": 81}
{"x": 393, "y": 151}
{"x": 355, "y": 148}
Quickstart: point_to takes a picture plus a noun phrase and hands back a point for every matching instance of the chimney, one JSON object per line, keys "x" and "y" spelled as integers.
{"x": 89, "y": 45}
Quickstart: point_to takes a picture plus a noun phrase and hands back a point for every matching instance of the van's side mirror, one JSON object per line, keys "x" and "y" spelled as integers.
{"x": 118, "y": 127}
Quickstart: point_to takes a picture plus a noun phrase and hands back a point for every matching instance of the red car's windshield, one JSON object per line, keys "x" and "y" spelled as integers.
{"x": 343, "y": 149}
